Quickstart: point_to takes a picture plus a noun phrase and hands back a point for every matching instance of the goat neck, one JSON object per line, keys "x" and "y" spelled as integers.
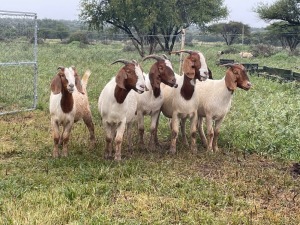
{"x": 188, "y": 88}
{"x": 121, "y": 94}
{"x": 67, "y": 101}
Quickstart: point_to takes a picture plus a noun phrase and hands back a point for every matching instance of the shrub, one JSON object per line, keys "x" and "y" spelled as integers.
{"x": 82, "y": 37}
{"x": 129, "y": 48}
{"x": 263, "y": 50}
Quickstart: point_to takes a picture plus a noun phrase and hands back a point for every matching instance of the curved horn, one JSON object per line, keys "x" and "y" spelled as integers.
{"x": 135, "y": 62}
{"x": 61, "y": 68}
{"x": 153, "y": 57}
{"x": 185, "y": 51}
{"x": 121, "y": 61}
{"x": 165, "y": 56}
{"x": 229, "y": 64}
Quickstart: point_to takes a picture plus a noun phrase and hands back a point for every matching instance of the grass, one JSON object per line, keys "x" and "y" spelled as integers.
{"x": 249, "y": 182}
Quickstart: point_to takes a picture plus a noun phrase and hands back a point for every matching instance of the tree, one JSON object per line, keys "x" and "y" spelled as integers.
{"x": 288, "y": 12}
{"x": 143, "y": 20}
{"x": 230, "y": 31}
{"x": 289, "y": 35}
{"x": 284, "y": 10}
{"x": 50, "y": 29}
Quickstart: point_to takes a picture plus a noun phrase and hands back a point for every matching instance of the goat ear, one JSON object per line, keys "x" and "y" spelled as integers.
{"x": 78, "y": 82}
{"x": 188, "y": 68}
{"x": 56, "y": 84}
{"x": 120, "y": 78}
{"x": 230, "y": 79}
{"x": 154, "y": 76}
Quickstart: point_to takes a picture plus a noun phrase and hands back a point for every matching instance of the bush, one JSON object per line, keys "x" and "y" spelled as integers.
{"x": 230, "y": 50}
{"x": 263, "y": 50}
{"x": 128, "y": 48}
{"x": 82, "y": 37}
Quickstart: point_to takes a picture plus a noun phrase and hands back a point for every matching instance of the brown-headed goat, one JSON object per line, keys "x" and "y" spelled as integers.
{"x": 68, "y": 104}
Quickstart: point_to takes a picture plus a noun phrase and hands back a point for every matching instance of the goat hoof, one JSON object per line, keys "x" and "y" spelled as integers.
{"x": 194, "y": 150}
{"x": 117, "y": 158}
{"x": 55, "y": 155}
{"x": 172, "y": 151}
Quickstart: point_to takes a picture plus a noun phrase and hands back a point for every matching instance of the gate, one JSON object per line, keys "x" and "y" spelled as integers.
{"x": 18, "y": 61}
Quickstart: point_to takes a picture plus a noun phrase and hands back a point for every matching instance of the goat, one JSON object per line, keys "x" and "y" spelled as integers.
{"x": 181, "y": 103}
{"x": 68, "y": 104}
{"x": 214, "y": 101}
{"x": 117, "y": 105}
{"x": 150, "y": 102}
{"x": 246, "y": 55}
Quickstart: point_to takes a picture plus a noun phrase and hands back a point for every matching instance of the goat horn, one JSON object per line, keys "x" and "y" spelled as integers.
{"x": 153, "y": 57}
{"x": 229, "y": 64}
{"x": 121, "y": 61}
{"x": 185, "y": 51}
{"x": 165, "y": 56}
{"x": 61, "y": 68}
{"x": 135, "y": 62}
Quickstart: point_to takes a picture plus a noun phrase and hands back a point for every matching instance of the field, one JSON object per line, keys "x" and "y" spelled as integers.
{"x": 252, "y": 180}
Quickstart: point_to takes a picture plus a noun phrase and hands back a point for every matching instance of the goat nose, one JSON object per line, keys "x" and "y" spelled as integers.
{"x": 249, "y": 84}
{"x": 71, "y": 85}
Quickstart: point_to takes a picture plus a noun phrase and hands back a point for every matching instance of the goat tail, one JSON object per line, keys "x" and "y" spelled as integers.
{"x": 85, "y": 78}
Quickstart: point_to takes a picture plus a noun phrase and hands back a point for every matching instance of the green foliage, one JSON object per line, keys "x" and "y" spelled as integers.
{"x": 230, "y": 31}
{"x": 140, "y": 20}
{"x": 52, "y": 29}
{"x": 79, "y": 36}
{"x": 283, "y": 10}
{"x": 262, "y": 50}
{"x": 286, "y": 33}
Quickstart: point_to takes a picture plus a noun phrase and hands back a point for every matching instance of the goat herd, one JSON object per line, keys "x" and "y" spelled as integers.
{"x": 132, "y": 94}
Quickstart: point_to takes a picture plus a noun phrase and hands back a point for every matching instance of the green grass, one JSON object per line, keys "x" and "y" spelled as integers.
{"x": 248, "y": 182}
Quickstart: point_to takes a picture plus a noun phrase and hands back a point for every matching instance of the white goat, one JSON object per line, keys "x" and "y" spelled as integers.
{"x": 214, "y": 101}
{"x": 246, "y": 55}
{"x": 68, "y": 104}
{"x": 181, "y": 102}
{"x": 150, "y": 102}
{"x": 117, "y": 105}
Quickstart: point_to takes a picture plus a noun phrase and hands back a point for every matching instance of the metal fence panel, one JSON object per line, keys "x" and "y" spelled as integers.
{"x": 18, "y": 61}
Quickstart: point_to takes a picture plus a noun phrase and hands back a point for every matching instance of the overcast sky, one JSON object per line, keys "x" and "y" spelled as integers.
{"x": 239, "y": 10}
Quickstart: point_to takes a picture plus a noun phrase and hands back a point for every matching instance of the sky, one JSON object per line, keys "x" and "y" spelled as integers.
{"x": 239, "y": 10}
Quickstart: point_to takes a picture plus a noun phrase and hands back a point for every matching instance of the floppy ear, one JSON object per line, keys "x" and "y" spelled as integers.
{"x": 230, "y": 79}
{"x": 78, "y": 81}
{"x": 154, "y": 76}
{"x": 188, "y": 68}
{"x": 56, "y": 81}
{"x": 56, "y": 84}
{"x": 120, "y": 78}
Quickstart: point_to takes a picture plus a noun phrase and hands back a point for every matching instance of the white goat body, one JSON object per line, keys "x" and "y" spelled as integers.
{"x": 117, "y": 105}
{"x": 246, "y": 55}
{"x": 214, "y": 101}
{"x": 150, "y": 102}
{"x": 181, "y": 103}
{"x": 67, "y": 112}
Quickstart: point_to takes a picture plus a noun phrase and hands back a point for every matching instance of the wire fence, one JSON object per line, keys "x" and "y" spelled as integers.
{"x": 18, "y": 61}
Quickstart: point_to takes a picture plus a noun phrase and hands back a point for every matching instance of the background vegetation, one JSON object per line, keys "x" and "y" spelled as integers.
{"x": 252, "y": 180}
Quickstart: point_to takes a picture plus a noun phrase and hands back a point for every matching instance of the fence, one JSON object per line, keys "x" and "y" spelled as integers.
{"x": 18, "y": 76}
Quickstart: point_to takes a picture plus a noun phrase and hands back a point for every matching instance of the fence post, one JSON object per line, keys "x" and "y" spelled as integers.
{"x": 181, "y": 48}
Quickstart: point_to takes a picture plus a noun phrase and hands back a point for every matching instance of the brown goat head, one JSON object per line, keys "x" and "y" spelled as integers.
{"x": 194, "y": 65}
{"x": 65, "y": 79}
{"x": 130, "y": 76}
{"x": 236, "y": 76}
{"x": 161, "y": 71}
